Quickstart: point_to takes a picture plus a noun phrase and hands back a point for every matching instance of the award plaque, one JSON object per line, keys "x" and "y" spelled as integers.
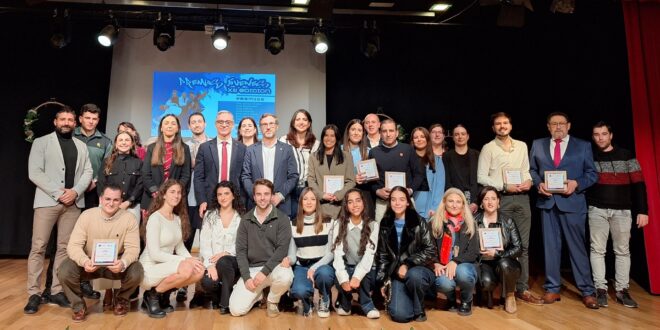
{"x": 490, "y": 238}
{"x": 369, "y": 169}
{"x": 512, "y": 176}
{"x": 332, "y": 183}
{"x": 393, "y": 179}
{"x": 555, "y": 181}
{"x": 104, "y": 252}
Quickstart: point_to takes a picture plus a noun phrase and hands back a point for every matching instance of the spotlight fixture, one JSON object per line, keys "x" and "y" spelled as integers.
{"x": 440, "y": 7}
{"x": 61, "y": 27}
{"x": 274, "y": 36}
{"x": 369, "y": 40}
{"x": 164, "y": 32}
{"x": 319, "y": 39}
{"x": 300, "y": 2}
{"x": 108, "y": 35}
{"x": 220, "y": 36}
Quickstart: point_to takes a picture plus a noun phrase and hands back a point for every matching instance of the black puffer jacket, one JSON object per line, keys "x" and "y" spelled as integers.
{"x": 510, "y": 235}
{"x": 417, "y": 248}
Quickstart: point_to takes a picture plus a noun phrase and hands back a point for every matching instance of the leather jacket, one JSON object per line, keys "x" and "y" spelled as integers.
{"x": 416, "y": 249}
{"x": 125, "y": 172}
{"x": 510, "y": 235}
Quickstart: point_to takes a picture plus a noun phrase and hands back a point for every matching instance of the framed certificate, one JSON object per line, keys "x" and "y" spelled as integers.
{"x": 555, "y": 181}
{"x": 332, "y": 183}
{"x": 369, "y": 169}
{"x": 512, "y": 176}
{"x": 104, "y": 252}
{"x": 393, "y": 179}
{"x": 490, "y": 238}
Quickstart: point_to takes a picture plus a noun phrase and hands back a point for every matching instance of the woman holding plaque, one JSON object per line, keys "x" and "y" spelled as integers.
{"x": 498, "y": 264}
{"x": 356, "y": 142}
{"x": 405, "y": 257}
{"x": 217, "y": 245}
{"x": 354, "y": 245}
{"x": 330, "y": 173}
{"x": 457, "y": 244}
{"x": 166, "y": 261}
{"x": 310, "y": 255}
{"x": 427, "y": 198}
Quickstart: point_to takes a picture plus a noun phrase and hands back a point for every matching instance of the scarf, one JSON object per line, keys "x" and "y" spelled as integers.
{"x": 454, "y": 225}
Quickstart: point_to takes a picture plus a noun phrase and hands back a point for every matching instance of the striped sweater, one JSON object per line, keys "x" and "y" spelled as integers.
{"x": 308, "y": 248}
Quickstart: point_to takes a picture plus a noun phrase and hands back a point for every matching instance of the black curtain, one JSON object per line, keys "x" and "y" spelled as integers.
{"x": 33, "y": 72}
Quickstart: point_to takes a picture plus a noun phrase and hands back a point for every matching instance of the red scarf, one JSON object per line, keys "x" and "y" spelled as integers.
{"x": 454, "y": 224}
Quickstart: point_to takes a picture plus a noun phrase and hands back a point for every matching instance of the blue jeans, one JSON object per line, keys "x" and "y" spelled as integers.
{"x": 407, "y": 299}
{"x": 301, "y": 288}
{"x": 465, "y": 279}
{"x": 364, "y": 298}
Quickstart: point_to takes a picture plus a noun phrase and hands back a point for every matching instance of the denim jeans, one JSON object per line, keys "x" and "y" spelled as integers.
{"x": 602, "y": 222}
{"x": 407, "y": 299}
{"x": 364, "y": 297}
{"x": 465, "y": 279}
{"x": 302, "y": 289}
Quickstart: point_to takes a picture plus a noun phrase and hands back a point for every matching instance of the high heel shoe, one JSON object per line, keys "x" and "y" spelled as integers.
{"x": 150, "y": 302}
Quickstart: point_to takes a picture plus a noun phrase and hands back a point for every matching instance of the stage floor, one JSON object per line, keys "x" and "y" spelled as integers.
{"x": 569, "y": 313}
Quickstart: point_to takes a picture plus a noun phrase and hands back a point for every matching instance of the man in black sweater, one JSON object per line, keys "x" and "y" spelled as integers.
{"x": 262, "y": 242}
{"x": 619, "y": 193}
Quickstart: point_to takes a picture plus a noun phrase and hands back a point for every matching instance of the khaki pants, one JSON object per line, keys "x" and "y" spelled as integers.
{"x": 242, "y": 299}
{"x": 45, "y": 219}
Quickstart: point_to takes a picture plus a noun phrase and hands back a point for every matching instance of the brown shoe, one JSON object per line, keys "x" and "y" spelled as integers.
{"x": 510, "y": 303}
{"x": 549, "y": 297}
{"x": 122, "y": 306}
{"x": 529, "y": 297}
{"x": 590, "y": 302}
{"x": 80, "y": 315}
{"x": 107, "y": 299}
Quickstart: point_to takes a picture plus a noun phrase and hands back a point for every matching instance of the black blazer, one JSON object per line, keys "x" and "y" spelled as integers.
{"x": 417, "y": 248}
{"x": 454, "y": 180}
{"x": 207, "y": 168}
{"x": 125, "y": 172}
{"x": 468, "y": 247}
{"x": 152, "y": 176}
{"x": 510, "y": 235}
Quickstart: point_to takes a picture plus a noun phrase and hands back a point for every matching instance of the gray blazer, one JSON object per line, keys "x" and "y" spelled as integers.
{"x": 46, "y": 171}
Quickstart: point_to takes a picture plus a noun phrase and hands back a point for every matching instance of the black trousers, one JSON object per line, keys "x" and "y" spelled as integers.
{"x": 220, "y": 289}
{"x": 506, "y": 270}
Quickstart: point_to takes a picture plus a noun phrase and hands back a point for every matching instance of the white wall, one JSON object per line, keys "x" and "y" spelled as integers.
{"x": 300, "y": 82}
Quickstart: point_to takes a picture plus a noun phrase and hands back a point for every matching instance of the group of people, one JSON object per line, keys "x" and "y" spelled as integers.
{"x": 270, "y": 216}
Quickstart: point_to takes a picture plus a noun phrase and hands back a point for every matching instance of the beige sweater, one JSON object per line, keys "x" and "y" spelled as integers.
{"x": 92, "y": 225}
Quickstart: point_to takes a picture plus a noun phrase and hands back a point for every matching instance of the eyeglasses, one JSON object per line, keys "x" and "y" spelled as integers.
{"x": 224, "y": 122}
{"x": 558, "y": 124}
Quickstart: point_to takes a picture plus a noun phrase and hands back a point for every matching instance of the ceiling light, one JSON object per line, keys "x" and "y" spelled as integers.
{"x": 438, "y": 7}
{"x": 300, "y": 2}
{"x": 164, "y": 32}
{"x": 319, "y": 39}
{"x": 220, "y": 37}
{"x": 108, "y": 35}
{"x": 274, "y": 36}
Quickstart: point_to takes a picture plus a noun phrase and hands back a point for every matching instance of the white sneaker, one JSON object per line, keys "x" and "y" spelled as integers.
{"x": 323, "y": 309}
{"x": 272, "y": 310}
{"x": 342, "y": 312}
{"x": 373, "y": 314}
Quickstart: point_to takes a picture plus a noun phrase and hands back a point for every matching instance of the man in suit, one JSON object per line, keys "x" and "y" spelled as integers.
{"x": 564, "y": 212}
{"x": 60, "y": 168}
{"x": 217, "y": 160}
{"x": 272, "y": 160}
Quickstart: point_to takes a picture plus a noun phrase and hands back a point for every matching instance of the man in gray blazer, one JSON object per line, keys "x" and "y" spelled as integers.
{"x": 60, "y": 168}
{"x": 273, "y": 160}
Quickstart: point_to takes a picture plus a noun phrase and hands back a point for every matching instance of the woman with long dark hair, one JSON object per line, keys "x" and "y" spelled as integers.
{"x": 458, "y": 250}
{"x": 428, "y": 198}
{"x": 357, "y": 143}
{"x": 304, "y": 143}
{"x": 310, "y": 255}
{"x": 405, "y": 255}
{"x": 498, "y": 265}
{"x": 329, "y": 159}
{"x": 126, "y": 126}
{"x": 166, "y": 261}
{"x": 248, "y": 131}
{"x": 354, "y": 245}
{"x": 217, "y": 244}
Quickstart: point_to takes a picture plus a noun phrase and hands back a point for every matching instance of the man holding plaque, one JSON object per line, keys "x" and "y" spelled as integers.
{"x": 504, "y": 164}
{"x": 105, "y": 243}
{"x": 562, "y": 168}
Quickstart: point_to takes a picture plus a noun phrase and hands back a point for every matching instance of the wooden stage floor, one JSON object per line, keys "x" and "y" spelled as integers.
{"x": 569, "y": 313}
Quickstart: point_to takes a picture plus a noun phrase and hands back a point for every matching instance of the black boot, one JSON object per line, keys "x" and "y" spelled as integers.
{"x": 150, "y": 303}
{"x": 487, "y": 298}
{"x": 465, "y": 309}
{"x": 164, "y": 301}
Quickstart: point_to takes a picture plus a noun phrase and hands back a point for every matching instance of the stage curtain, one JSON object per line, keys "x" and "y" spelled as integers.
{"x": 642, "y": 24}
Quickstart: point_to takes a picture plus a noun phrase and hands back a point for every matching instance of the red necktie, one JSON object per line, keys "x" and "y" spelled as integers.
{"x": 223, "y": 167}
{"x": 557, "y": 158}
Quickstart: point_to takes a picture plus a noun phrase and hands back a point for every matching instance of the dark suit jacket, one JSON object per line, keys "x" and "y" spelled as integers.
{"x": 579, "y": 165}
{"x": 285, "y": 172}
{"x": 152, "y": 176}
{"x": 207, "y": 168}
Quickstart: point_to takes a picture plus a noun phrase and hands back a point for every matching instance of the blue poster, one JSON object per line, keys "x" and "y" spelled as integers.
{"x": 183, "y": 93}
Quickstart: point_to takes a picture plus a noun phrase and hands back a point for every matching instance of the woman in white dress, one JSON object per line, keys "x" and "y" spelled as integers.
{"x": 166, "y": 262}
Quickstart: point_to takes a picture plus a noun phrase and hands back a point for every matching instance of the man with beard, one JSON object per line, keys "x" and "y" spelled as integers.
{"x": 60, "y": 168}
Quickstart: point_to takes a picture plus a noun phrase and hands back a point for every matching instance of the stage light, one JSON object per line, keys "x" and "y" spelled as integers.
{"x": 220, "y": 37}
{"x": 108, "y": 36}
{"x": 300, "y": 2}
{"x": 164, "y": 32}
{"x": 440, "y": 7}
{"x": 319, "y": 39}
{"x": 61, "y": 27}
{"x": 369, "y": 40}
{"x": 274, "y": 36}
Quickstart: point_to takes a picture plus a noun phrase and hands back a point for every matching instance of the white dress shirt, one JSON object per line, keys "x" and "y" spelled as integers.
{"x": 563, "y": 144}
